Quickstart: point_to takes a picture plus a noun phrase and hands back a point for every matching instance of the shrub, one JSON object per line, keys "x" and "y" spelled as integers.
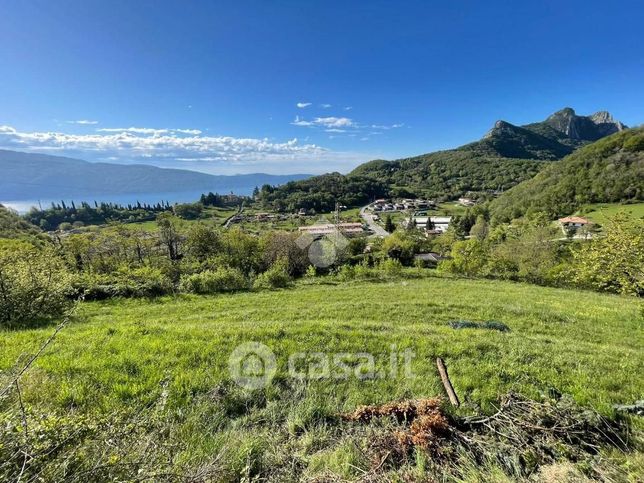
{"x": 125, "y": 282}
{"x": 33, "y": 284}
{"x": 275, "y": 277}
{"x": 213, "y": 281}
{"x": 391, "y": 267}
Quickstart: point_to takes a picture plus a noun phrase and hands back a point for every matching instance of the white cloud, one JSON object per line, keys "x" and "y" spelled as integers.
{"x": 348, "y": 108}
{"x": 335, "y": 129}
{"x": 142, "y": 143}
{"x": 148, "y": 131}
{"x": 301, "y": 122}
{"x": 326, "y": 122}
{"x": 83, "y": 122}
{"x": 334, "y": 122}
{"x": 392, "y": 126}
{"x": 342, "y": 123}
{"x": 325, "y": 106}
{"x": 302, "y": 105}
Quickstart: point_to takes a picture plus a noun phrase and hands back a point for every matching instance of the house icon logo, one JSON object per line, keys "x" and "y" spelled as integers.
{"x": 252, "y": 365}
{"x": 324, "y": 242}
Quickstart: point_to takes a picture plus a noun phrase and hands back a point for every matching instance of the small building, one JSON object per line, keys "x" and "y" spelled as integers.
{"x": 466, "y": 201}
{"x": 573, "y": 222}
{"x": 428, "y": 260}
{"x": 441, "y": 223}
{"x": 322, "y": 229}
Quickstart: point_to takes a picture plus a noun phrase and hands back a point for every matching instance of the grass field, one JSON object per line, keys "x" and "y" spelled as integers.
{"x": 121, "y": 356}
{"x": 601, "y": 212}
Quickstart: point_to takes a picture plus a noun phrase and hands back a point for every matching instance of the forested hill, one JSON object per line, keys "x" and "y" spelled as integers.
{"x": 504, "y": 157}
{"x": 609, "y": 170}
{"x": 449, "y": 174}
{"x": 29, "y": 176}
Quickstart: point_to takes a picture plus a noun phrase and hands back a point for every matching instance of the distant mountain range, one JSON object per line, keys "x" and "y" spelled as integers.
{"x": 27, "y": 176}
{"x": 559, "y": 135}
{"x": 503, "y": 158}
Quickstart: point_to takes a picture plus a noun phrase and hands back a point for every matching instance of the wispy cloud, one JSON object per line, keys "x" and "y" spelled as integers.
{"x": 334, "y": 122}
{"x": 344, "y": 124}
{"x": 325, "y": 106}
{"x": 83, "y": 122}
{"x": 148, "y": 131}
{"x": 301, "y": 122}
{"x": 348, "y": 108}
{"x": 326, "y": 122}
{"x": 386, "y": 127}
{"x": 302, "y": 105}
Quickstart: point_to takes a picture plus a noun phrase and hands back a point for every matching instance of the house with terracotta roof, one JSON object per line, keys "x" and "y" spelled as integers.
{"x": 574, "y": 222}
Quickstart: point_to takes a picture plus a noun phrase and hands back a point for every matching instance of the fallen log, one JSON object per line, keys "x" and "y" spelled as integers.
{"x": 453, "y": 398}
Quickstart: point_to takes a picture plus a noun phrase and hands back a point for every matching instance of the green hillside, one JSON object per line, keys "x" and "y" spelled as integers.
{"x": 448, "y": 174}
{"x": 504, "y": 157}
{"x": 140, "y": 389}
{"x": 13, "y": 226}
{"x": 610, "y": 170}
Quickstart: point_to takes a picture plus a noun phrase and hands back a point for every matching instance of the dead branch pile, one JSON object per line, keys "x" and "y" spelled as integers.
{"x": 521, "y": 437}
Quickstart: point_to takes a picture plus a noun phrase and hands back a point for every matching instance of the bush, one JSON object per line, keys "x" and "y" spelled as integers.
{"x": 391, "y": 267}
{"x": 275, "y": 277}
{"x": 213, "y": 281}
{"x": 33, "y": 284}
{"x": 138, "y": 282}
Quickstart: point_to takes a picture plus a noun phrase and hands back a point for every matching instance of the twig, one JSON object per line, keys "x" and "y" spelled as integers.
{"x": 453, "y": 398}
{"x": 25, "y": 426}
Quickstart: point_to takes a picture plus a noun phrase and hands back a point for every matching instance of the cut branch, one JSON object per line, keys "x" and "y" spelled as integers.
{"x": 453, "y": 398}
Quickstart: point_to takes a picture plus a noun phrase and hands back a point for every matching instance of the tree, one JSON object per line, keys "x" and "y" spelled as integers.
{"x": 430, "y": 224}
{"x": 188, "y": 211}
{"x": 389, "y": 224}
{"x": 614, "y": 262}
{"x": 202, "y": 242}
{"x": 169, "y": 234}
{"x": 468, "y": 257}
{"x": 480, "y": 229}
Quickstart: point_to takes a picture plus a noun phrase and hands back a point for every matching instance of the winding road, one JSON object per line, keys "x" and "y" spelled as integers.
{"x": 373, "y": 226}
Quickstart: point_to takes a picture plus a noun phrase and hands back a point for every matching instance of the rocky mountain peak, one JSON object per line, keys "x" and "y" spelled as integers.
{"x": 602, "y": 117}
{"x": 584, "y": 128}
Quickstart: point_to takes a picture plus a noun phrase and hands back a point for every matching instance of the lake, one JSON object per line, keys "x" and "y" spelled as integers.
{"x": 23, "y": 206}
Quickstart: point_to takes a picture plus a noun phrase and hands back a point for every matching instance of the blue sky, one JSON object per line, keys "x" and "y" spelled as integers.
{"x": 215, "y": 86}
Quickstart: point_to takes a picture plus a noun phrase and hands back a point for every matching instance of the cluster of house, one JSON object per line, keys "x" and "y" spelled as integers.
{"x": 322, "y": 229}
{"x": 401, "y": 205}
{"x": 436, "y": 225}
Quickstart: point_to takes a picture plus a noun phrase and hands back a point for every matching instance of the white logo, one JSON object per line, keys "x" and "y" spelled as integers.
{"x": 252, "y": 365}
{"x": 324, "y": 251}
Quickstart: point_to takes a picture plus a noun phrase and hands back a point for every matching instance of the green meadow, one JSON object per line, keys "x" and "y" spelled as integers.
{"x": 170, "y": 355}
{"x": 602, "y": 212}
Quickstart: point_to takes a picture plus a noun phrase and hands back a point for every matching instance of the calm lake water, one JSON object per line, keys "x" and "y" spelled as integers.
{"x": 22, "y": 206}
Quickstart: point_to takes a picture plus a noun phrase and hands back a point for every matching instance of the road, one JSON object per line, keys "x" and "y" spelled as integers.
{"x": 373, "y": 226}
{"x": 232, "y": 217}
